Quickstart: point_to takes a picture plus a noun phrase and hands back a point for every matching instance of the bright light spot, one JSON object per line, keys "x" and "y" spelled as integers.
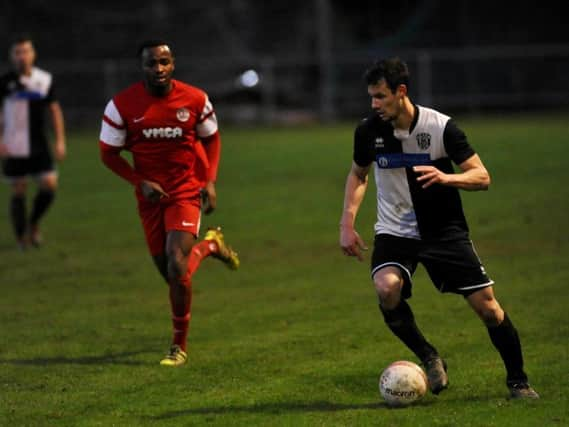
{"x": 249, "y": 78}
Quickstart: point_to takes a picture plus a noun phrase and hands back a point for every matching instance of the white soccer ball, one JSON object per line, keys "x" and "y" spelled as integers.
{"x": 402, "y": 383}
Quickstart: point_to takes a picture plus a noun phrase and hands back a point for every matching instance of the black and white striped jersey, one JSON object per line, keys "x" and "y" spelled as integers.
{"x": 405, "y": 209}
{"x": 24, "y": 102}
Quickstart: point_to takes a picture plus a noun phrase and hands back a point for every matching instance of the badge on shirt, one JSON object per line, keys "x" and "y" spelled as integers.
{"x": 423, "y": 140}
{"x": 183, "y": 114}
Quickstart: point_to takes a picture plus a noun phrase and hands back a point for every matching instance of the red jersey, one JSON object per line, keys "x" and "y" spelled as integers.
{"x": 163, "y": 134}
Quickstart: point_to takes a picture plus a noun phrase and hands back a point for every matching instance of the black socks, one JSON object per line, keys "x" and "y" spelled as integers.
{"x": 506, "y": 340}
{"x": 402, "y": 323}
{"x": 42, "y": 202}
{"x": 18, "y": 215}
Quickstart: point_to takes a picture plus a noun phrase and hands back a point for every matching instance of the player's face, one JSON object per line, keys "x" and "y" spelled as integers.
{"x": 386, "y": 103}
{"x": 23, "y": 56}
{"x": 158, "y": 66}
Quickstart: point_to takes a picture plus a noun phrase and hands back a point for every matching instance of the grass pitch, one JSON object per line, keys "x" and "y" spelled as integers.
{"x": 294, "y": 337}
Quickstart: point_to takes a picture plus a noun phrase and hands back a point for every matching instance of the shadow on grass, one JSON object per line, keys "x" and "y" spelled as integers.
{"x": 279, "y": 408}
{"x": 110, "y": 358}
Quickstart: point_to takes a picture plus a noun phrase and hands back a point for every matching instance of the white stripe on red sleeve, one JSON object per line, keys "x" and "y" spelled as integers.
{"x": 207, "y": 123}
{"x": 112, "y": 127}
{"x": 112, "y": 114}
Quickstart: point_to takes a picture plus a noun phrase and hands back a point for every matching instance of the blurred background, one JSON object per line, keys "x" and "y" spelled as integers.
{"x": 302, "y": 61}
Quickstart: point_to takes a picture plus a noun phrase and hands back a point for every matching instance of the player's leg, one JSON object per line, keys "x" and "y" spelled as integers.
{"x": 399, "y": 318}
{"x": 18, "y": 188}
{"x": 153, "y": 221}
{"x": 161, "y": 263}
{"x": 181, "y": 222}
{"x": 505, "y": 338}
{"x": 47, "y": 186}
{"x": 15, "y": 171}
{"x": 178, "y": 247}
{"x": 213, "y": 244}
{"x": 455, "y": 267}
{"x": 392, "y": 267}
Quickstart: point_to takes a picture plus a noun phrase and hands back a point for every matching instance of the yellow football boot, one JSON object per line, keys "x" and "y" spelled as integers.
{"x": 175, "y": 357}
{"x": 224, "y": 252}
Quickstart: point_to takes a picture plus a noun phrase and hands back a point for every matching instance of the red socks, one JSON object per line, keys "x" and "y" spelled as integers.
{"x": 200, "y": 251}
{"x": 180, "y": 327}
{"x": 180, "y": 302}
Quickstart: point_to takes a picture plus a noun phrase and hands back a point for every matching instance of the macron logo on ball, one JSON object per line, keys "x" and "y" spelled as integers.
{"x": 166, "y": 132}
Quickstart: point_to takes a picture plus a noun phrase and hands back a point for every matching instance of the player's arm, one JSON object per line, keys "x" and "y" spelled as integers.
{"x": 356, "y": 185}
{"x": 111, "y": 158}
{"x": 207, "y": 130}
{"x": 473, "y": 175}
{"x": 58, "y": 129}
{"x": 3, "y": 148}
{"x": 111, "y": 142}
{"x": 354, "y": 192}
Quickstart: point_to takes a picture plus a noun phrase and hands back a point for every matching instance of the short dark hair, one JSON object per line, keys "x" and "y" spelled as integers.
{"x": 21, "y": 38}
{"x": 151, "y": 43}
{"x": 393, "y": 70}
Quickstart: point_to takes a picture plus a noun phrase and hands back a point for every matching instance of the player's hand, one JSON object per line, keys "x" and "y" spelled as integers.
{"x": 429, "y": 175}
{"x": 3, "y": 150}
{"x": 209, "y": 197}
{"x": 152, "y": 191}
{"x": 60, "y": 151}
{"x": 351, "y": 242}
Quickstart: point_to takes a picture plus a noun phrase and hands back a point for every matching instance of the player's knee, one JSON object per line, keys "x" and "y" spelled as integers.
{"x": 491, "y": 313}
{"x": 388, "y": 288}
{"x": 48, "y": 183}
{"x": 177, "y": 263}
{"x": 19, "y": 188}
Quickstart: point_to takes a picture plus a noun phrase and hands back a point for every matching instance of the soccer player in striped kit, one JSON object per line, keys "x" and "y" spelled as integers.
{"x": 27, "y": 94}
{"x": 420, "y": 218}
{"x": 171, "y": 130}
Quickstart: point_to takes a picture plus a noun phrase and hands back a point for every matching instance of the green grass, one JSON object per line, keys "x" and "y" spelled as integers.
{"x": 294, "y": 337}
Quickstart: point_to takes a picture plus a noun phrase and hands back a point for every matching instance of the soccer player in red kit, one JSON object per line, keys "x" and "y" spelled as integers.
{"x": 171, "y": 130}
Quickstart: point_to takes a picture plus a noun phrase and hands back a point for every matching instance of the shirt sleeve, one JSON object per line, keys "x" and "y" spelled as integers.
{"x": 456, "y": 143}
{"x": 113, "y": 130}
{"x": 51, "y": 94}
{"x": 207, "y": 122}
{"x": 363, "y": 149}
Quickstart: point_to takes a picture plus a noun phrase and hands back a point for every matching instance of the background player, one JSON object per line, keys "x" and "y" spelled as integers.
{"x": 420, "y": 218}
{"x": 171, "y": 130}
{"x": 26, "y": 93}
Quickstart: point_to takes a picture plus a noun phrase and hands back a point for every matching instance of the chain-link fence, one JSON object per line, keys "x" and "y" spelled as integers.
{"x": 299, "y": 89}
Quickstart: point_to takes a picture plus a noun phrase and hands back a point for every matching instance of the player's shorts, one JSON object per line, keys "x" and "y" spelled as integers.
{"x": 167, "y": 215}
{"x": 36, "y": 166}
{"x": 452, "y": 265}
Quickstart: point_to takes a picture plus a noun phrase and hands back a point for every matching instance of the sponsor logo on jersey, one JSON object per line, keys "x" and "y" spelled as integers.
{"x": 402, "y": 160}
{"x": 183, "y": 114}
{"x": 423, "y": 140}
{"x": 167, "y": 132}
{"x": 382, "y": 162}
{"x": 379, "y": 142}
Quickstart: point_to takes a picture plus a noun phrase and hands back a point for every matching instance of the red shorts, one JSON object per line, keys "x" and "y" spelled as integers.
{"x": 161, "y": 217}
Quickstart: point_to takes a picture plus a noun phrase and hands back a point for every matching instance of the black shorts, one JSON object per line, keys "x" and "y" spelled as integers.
{"x": 36, "y": 165}
{"x": 452, "y": 265}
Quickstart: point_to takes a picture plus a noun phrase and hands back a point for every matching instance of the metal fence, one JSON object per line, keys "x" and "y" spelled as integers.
{"x": 299, "y": 89}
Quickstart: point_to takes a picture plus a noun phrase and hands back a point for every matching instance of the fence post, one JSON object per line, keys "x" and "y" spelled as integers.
{"x": 425, "y": 78}
{"x": 268, "y": 93}
{"x": 110, "y": 78}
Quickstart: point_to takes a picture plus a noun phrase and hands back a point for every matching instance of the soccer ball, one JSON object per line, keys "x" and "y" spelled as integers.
{"x": 402, "y": 383}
